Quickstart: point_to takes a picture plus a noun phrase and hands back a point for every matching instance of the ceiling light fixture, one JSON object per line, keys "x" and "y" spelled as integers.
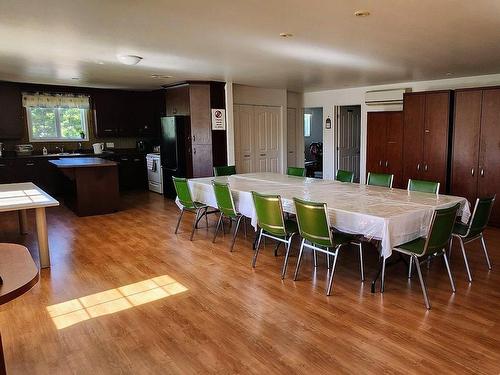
{"x": 449, "y": 74}
{"x": 76, "y": 78}
{"x": 161, "y": 76}
{"x": 286, "y": 35}
{"x": 361, "y": 13}
{"x": 129, "y": 59}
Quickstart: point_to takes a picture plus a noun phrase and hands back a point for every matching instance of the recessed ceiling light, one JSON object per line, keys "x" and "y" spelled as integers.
{"x": 449, "y": 74}
{"x": 129, "y": 59}
{"x": 286, "y": 35}
{"x": 361, "y": 13}
{"x": 100, "y": 62}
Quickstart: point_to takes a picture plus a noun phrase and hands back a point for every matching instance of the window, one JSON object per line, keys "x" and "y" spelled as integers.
{"x": 56, "y": 117}
{"x": 307, "y": 124}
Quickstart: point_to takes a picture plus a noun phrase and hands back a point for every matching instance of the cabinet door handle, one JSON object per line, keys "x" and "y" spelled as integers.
{"x": 2, "y": 165}
{"x": 418, "y": 167}
{"x": 425, "y": 167}
{"x": 194, "y": 138}
{"x": 472, "y": 171}
{"x": 246, "y": 156}
{"x": 380, "y": 163}
{"x": 482, "y": 172}
{"x": 386, "y": 163}
{"x": 194, "y": 151}
{"x": 30, "y": 164}
{"x": 262, "y": 154}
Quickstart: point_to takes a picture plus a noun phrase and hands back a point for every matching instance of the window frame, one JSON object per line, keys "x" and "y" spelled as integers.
{"x": 83, "y": 118}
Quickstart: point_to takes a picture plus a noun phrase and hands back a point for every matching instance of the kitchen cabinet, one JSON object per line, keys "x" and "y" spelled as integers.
{"x": 476, "y": 146}
{"x": 12, "y": 123}
{"x": 385, "y": 145}
{"x": 132, "y": 171}
{"x": 106, "y": 106}
{"x": 426, "y": 133}
{"x": 199, "y": 104}
{"x": 177, "y": 100}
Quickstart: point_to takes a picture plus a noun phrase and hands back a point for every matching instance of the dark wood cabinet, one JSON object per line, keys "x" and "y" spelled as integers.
{"x": 177, "y": 100}
{"x": 12, "y": 124}
{"x": 426, "y": 136}
{"x": 385, "y": 144}
{"x": 105, "y": 104}
{"x": 476, "y": 146}
{"x": 199, "y": 104}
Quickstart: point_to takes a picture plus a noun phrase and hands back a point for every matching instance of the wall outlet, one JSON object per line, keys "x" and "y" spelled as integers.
{"x": 110, "y": 144}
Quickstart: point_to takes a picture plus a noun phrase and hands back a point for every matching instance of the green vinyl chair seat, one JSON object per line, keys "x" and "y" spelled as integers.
{"x": 344, "y": 176}
{"x": 473, "y": 230}
{"x": 296, "y": 171}
{"x": 317, "y": 235}
{"x": 423, "y": 186}
{"x": 380, "y": 179}
{"x": 291, "y": 226}
{"x": 414, "y": 247}
{"x": 226, "y": 170}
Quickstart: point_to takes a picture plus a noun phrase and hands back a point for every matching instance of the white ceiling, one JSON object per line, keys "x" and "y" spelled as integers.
{"x": 52, "y": 41}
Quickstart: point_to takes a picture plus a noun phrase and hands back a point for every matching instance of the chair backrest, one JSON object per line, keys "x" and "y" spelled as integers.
{"x": 224, "y": 198}
{"x": 380, "y": 179}
{"x": 226, "y": 170}
{"x": 344, "y": 176}
{"x": 296, "y": 171}
{"x": 440, "y": 230}
{"x": 269, "y": 213}
{"x": 183, "y": 192}
{"x": 313, "y": 222}
{"x": 480, "y": 215}
{"x": 423, "y": 186}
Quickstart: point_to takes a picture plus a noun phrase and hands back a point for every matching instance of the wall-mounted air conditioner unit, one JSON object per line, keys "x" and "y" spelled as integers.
{"x": 385, "y": 97}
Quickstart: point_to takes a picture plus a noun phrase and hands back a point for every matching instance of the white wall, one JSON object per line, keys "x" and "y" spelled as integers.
{"x": 354, "y": 96}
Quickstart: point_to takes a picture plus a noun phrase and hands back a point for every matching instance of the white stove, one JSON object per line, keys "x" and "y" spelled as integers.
{"x": 155, "y": 176}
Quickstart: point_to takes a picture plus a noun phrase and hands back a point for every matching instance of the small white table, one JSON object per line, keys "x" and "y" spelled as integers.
{"x": 25, "y": 196}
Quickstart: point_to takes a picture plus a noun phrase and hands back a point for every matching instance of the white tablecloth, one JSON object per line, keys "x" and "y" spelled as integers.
{"x": 393, "y": 216}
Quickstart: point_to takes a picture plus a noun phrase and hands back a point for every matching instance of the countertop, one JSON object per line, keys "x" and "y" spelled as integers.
{"x": 82, "y": 162}
{"x": 10, "y": 155}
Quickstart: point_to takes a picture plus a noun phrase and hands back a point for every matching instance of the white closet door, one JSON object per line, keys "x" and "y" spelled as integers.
{"x": 244, "y": 135}
{"x": 267, "y": 155}
{"x": 291, "y": 137}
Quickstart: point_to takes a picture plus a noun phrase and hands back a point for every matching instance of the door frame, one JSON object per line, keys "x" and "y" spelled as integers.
{"x": 336, "y": 140}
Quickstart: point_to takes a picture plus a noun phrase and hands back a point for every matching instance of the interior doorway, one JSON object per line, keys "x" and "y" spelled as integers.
{"x": 313, "y": 142}
{"x": 348, "y": 139}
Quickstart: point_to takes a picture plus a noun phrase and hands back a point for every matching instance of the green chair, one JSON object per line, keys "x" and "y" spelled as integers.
{"x": 272, "y": 224}
{"x": 344, "y": 176}
{"x": 225, "y": 204}
{"x": 316, "y": 232}
{"x": 296, "y": 171}
{"x": 226, "y": 170}
{"x": 380, "y": 179}
{"x": 474, "y": 229}
{"x": 187, "y": 204}
{"x": 423, "y": 186}
{"x": 434, "y": 244}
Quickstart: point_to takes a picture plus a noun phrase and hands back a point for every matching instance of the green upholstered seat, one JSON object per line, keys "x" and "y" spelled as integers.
{"x": 296, "y": 171}
{"x": 344, "y": 176}
{"x": 423, "y": 186}
{"x": 226, "y": 170}
{"x": 380, "y": 179}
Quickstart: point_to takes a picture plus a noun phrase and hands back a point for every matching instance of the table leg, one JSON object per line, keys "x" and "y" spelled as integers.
{"x": 23, "y": 221}
{"x": 3, "y": 370}
{"x": 43, "y": 237}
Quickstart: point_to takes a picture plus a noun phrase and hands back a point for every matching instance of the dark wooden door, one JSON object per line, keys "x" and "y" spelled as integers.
{"x": 414, "y": 118}
{"x": 202, "y": 160}
{"x": 435, "y": 136}
{"x": 376, "y": 141}
{"x": 199, "y": 104}
{"x": 394, "y": 148}
{"x": 465, "y": 152}
{"x": 12, "y": 124}
{"x": 489, "y": 150}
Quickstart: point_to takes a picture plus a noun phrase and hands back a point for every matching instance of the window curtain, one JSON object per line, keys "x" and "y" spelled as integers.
{"x": 45, "y": 100}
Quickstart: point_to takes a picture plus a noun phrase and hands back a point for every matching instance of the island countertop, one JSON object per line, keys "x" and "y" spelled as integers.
{"x": 82, "y": 162}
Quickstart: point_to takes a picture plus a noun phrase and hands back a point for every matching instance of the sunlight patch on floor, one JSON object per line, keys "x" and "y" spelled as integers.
{"x": 110, "y": 301}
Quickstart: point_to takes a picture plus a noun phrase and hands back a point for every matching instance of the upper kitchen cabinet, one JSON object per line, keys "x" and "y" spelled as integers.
{"x": 106, "y": 106}
{"x": 11, "y": 111}
{"x": 426, "y": 136}
{"x": 199, "y": 104}
{"x": 177, "y": 100}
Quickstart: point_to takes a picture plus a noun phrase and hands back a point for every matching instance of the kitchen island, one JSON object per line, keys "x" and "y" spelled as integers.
{"x": 90, "y": 185}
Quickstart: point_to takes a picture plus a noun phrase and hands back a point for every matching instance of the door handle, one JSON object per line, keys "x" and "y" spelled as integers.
{"x": 425, "y": 167}
{"x": 30, "y": 164}
{"x": 380, "y": 163}
{"x": 246, "y": 156}
{"x": 194, "y": 138}
{"x": 482, "y": 172}
{"x": 194, "y": 151}
{"x": 472, "y": 171}
{"x": 262, "y": 154}
{"x": 386, "y": 163}
{"x": 418, "y": 167}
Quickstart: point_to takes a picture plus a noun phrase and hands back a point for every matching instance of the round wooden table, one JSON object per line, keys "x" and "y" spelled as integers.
{"x": 19, "y": 273}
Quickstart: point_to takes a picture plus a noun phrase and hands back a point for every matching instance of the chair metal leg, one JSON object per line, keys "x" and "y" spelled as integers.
{"x": 485, "y": 252}
{"x": 299, "y": 260}
{"x": 236, "y": 231}
{"x": 449, "y": 271}
{"x": 276, "y": 248}
{"x": 315, "y": 256}
{"x": 328, "y": 261}
{"x": 217, "y": 227}
{"x": 245, "y": 225}
{"x": 257, "y": 250}
{"x": 287, "y": 255}
{"x": 422, "y": 283}
{"x": 361, "y": 266}
{"x": 450, "y": 248}
{"x": 465, "y": 259}
{"x": 382, "y": 279}
{"x": 179, "y": 220}
{"x": 195, "y": 223}
{"x": 409, "y": 267}
{"x": 330, "y": 282}
{"x": 206, "y": 216}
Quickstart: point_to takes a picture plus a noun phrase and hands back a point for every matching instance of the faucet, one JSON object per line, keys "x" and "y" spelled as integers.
{"x": 60, "y": 149}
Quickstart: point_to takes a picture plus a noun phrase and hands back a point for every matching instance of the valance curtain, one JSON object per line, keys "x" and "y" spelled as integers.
{"x": 45, "y": 100}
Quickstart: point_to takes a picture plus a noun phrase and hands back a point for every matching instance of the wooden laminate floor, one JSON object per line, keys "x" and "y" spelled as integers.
{"x": 125, "y": 295}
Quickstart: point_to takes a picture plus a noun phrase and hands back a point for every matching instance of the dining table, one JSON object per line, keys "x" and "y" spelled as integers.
{"x": 391, "y": 216}
{"x": 25, "y": 196}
